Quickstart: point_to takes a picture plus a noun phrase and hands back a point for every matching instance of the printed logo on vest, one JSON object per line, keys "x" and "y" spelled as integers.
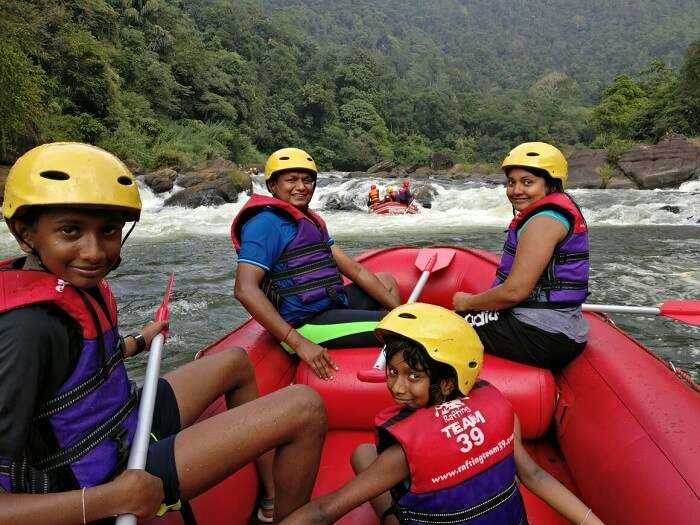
{"x": 462, "y": 424}
{"x": 60, "y": 285}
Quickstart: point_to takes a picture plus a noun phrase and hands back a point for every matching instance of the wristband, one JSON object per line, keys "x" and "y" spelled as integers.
{"x": 288, "y": 332}
{"x": 140, "y": 342}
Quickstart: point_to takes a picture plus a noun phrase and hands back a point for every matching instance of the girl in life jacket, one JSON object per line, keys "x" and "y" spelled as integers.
{"x": 68, "y": 412}
{"x": 290, "y": 271}
{"x": 450, "y": 450}
{"x": 532, "y": 313}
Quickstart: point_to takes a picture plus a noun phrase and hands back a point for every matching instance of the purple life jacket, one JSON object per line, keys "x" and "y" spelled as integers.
{"x": 460, "y": 456}
{"x": 310, "y": 264}
{"x": 92, "y": 416}
{"x": 564, "y": 282}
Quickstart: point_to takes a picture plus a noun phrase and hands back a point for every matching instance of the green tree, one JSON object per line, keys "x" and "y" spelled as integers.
{"x": 622, "y": 101}
{"x": 688, "y": 91}
{"x": 21, "y": 85}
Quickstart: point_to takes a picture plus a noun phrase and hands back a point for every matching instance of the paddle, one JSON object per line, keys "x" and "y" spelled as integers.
{"x": 427, "y": 261}
{"x": 684, "y": 310}
{"x": 139, "y": 448}
{"x": 408, "y": 205}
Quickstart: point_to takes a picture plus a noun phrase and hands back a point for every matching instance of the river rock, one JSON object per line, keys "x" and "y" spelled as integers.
{"x": 487, "y": 179}
{"x": 620, "y": 182}
{"x": 134, "y": 167}
{"x": 425, "y": 172}
{"x": 198, "y": 196}
{"x": 424, "y": 194}
{"x": 667, "y": 164}
{"x": 335, "y": 201}
{"x": 440, "y": 161}
{"x": 585, "y": 166}
{"x": 161, "y": 181}
{"x": 382, "y": 165}
{"x": 215, "y": 182}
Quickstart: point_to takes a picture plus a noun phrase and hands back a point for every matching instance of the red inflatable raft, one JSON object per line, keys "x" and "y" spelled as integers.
{"x": 394, "y": 208}
{"x": 616, "y": 426}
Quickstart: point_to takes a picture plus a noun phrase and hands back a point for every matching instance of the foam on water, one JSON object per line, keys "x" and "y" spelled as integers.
{"x": 455, "y": 204}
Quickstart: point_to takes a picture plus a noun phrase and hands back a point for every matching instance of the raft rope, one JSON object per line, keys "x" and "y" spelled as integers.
{"x": 680, "y": 374}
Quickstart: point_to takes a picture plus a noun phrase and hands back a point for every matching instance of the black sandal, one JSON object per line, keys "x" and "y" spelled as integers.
{"x": 388, "y": 512}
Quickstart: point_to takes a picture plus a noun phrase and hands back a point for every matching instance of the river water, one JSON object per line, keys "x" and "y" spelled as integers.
{"x": 641, "y": 254}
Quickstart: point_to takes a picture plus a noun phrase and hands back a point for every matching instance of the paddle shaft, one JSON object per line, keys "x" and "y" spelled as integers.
{"x": 380, "y": 363}
{"x": 139, "y": 448}
{"x": 617, "y": 309}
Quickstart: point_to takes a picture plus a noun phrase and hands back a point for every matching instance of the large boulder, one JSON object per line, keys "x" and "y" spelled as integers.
{"x": 440, "y": 161}
{"x": 585, "y": 166}
{"x": 667, "y": 164}
{"x": 424, "y": 194}
{"x": 620, "y": 182}
{"x": 215, "y": 182}
{"x": 161, "y": 181}
{"x": 424, "y": 172}
{"x": 487, "y": 179}
{"x": 198, "y": 196}
{"x": 382, "y": 165}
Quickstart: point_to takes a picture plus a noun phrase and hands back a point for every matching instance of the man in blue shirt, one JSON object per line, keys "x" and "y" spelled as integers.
{"x": 290, "y": 271}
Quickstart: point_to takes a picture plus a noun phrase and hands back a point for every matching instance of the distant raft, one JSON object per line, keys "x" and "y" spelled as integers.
{"x": 394, "y": 208}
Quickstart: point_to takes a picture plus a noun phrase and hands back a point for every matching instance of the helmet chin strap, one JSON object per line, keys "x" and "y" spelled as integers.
{"x": 22, "y": 241}
{"x": 119, "y": 259}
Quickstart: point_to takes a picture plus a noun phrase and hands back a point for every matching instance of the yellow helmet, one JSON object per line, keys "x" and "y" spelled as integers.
{"x": 70, "y": 174}
{"x": 444, "y": 335}
{"x": 539, "y": 155}
{"x": 389, "y": 189}
{"x": 289, "y": 159}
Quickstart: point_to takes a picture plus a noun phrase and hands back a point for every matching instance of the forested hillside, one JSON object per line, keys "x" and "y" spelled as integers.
{"x": 503, "y": 43}
{"x": 165, "y": 81}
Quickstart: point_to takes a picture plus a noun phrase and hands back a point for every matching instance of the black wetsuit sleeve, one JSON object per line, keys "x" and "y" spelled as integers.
{"x": 36, "y": 357}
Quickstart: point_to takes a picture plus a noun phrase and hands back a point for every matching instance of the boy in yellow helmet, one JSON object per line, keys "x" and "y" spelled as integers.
{"x": 67, "y": 409}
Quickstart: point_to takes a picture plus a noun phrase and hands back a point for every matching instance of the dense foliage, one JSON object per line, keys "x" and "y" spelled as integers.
{"x": 168, "y": 81}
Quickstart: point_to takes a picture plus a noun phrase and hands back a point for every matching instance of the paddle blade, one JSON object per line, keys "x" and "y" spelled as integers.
{"x": 433, "y": 259}
{"x": 686, "y": 311}
{"x": 371, "y": 376}
{"x": 162, "y": 311}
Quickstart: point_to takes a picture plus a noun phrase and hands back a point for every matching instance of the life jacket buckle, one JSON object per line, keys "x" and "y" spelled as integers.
{"x": 333, "y": 294}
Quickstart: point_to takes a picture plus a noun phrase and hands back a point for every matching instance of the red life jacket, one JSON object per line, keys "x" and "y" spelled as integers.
{"x": 460, "y": 456}
{"x": 92, "y": 415}
{"x": 257, "y": 202}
